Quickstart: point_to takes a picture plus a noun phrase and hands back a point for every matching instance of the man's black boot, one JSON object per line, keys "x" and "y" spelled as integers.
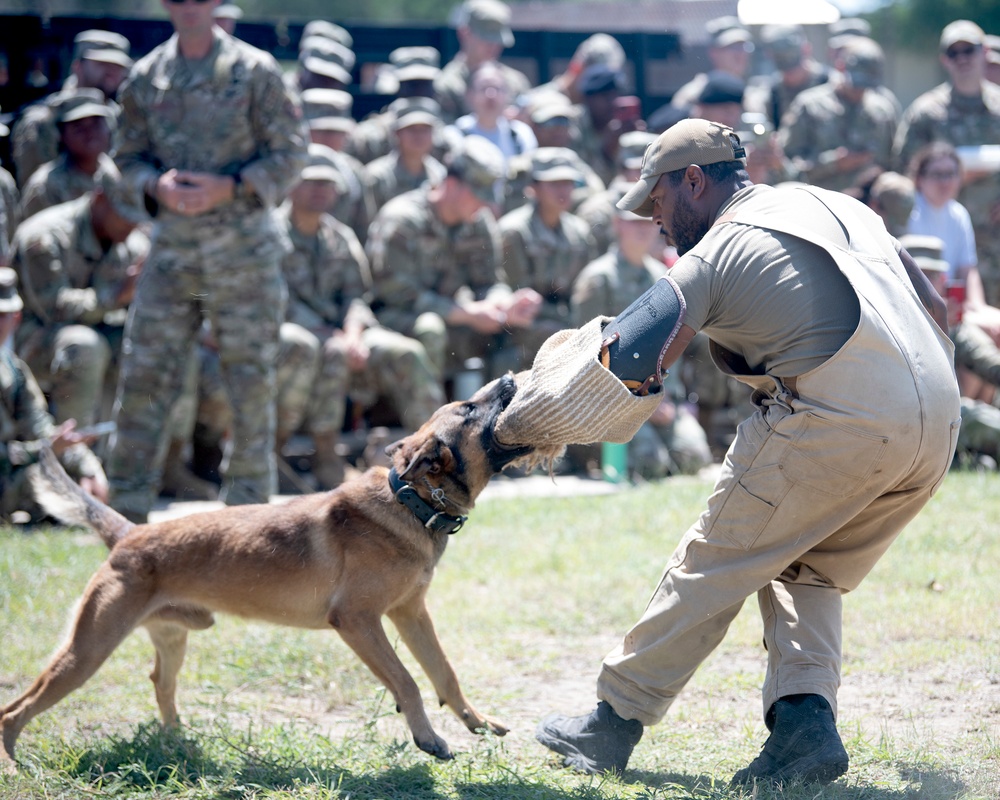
{"x": 803, "y": 746}
{"x": 599, "y": 742}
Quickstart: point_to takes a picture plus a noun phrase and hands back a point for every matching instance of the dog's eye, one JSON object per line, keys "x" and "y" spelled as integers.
{"x": 469, "y": 408}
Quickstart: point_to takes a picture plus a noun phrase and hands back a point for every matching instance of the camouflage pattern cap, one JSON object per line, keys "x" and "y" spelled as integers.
{"x": 961, "y": 30}
{"x": 479, "y": 164}
{"x": 728, "y": 30}
{"x": 927, "y": 251}
{"x": 489, "y": 20}
{"x": 416, "y": 111}
{"x": 895, "y": 195}
{"x": 690, "y": 141}
{"x": 555, "y": 164}
{"x": 328, "y": 30}
{"x": 228, "y": 11}
{"x": 107, "y": 47}
{"x": 601, "y": 48}
{"x": 328, "y": 109}
{"x": 111, "y": 185}
{"x": 415, "y": 63}
{"x": 326, "y": 57}
{"x": 632, "y": 147}
{"x": 80, "y": 104}
{"x": 10, "y": 300}
{"x": 321, "y": 165}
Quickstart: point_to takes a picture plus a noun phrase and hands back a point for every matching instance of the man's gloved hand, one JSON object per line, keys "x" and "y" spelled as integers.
{"x": 636, "y": 340}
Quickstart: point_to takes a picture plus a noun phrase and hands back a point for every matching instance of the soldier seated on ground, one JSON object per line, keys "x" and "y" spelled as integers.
{"x": 26, "y": 426}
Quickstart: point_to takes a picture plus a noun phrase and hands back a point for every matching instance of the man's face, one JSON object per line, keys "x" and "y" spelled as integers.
{"x": 964, "y": 62}
{"x": 314, "y": 197}
{"x": 335, "y": 140}
{"x": 679, "y": 221}
{"x": 602, "y": 107}
{"x": 191, "y": 16}
{"x": 554, "y": 195}
{"x": 467, "y": 203}
{"x": 552, "y": 133}
{"x": 416, "y": 140}
{"x": 734, "y": 58}
{"x": 477, "y": 50}
{"x": 86, "y": 138}
{"x": 99, "y": 75}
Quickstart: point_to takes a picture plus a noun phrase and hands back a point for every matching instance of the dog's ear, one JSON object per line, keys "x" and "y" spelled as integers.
{"x": 429, "y": 456}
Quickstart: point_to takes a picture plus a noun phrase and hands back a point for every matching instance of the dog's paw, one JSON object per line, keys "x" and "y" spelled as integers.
{"x": 437, "y": 747}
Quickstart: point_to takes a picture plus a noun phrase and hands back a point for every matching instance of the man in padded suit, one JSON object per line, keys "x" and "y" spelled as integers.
{"x": 806, "y": 298}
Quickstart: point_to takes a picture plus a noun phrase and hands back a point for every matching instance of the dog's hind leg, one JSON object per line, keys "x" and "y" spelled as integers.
{"x": 362, "y": 630}
{"x": 415, "y": 626}
{"x": 170, "y": 641}
{"x": 108, "y": 612}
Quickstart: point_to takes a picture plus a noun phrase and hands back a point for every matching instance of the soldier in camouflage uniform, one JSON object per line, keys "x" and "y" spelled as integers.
{"x": 544, "y": 248}
{"x": 965, "y": 111}
{"x": 101, "y": 62}
{"x": 835, "y": 131}
{"x": 82, "y": 118}
{"x": 600, "y": 85}
{"x": 483, "y": 34}
{"x": 211, "y": 141}
{"x": 25, "y": 424}
{"x": 435, "y": 258}
{"x": 10, "y": 214}
{"x": 79, "y": 263}
{"x": 671, "y": 442}
{"x": 328, "y": 112}
{"x": 410, "y": 162}
{"x": 323, "y": 64}
{"x": 328, "y": 282}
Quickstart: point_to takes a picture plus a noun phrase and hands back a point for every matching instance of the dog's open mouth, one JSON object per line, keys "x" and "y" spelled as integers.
{"x": 499, "y": 454}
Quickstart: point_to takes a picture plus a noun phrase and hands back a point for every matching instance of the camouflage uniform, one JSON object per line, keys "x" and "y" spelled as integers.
{"x": 386, "y": 178}
{"x": 519, "y": 179}
{"x": 606, "y": 287}
{"x": 419, "y": 265}
{"x": 58, "y": 182}
{"x": 328, "y": 278}
{"x": 451, "y": 84}
{"x": 547, "y": 260}
{"x": 820, "y": 120}
{"x": 73, "y": 321}
{"x": 940, "y": 114}
{"x": 10, "y": 213}
{"x": 227, "y": 114}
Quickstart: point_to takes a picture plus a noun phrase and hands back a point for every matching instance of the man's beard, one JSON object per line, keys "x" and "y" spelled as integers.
{"x": 686, "y": 227}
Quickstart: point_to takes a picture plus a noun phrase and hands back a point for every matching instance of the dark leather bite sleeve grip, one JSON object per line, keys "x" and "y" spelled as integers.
{"x": 636, "y": 340}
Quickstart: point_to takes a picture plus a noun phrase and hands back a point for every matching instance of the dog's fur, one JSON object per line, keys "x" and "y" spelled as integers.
{"x": 340, "y": 560}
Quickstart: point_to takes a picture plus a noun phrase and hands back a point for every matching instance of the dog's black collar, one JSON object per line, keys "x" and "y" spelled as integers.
{"x": 434, "y": 521}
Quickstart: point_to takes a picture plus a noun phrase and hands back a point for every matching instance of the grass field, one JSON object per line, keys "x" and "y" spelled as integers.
{"x": 528, "y": 598}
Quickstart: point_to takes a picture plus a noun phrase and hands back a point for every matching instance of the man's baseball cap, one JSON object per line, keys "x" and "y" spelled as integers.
{"x": 895, "y": 195}
{"x": 728, "y": 30}
{"x": 690, "y": 141}
{"x": 846, "y": 28}
{"x": 321, "y": 165}
{"x": 601, "y": 48}
{"x": 328, "y": 30}
{"x": 479, "y": 164}
{"x": 962, "y": 30}
{"x": 80, "y": 104}
{"x": 785, "y": 43}
{"x": 415, "y": 63}
{"x": 107, "y": 47}
{"x": 326, "y": 57}
{"x": 489, "y": 20}
{"x": 555, "y": 164}
{"x": 601, "y": 78}
{"x": 927, "y": 251}
{"x": 328, "y": 109}
{"x": 115, "y": 190}
{"x": 10, "y": 300}
{"x": 416, "y": 111}
{"x": 632, "y": 147}
{"x": 863, "y": 62}
{"x": 721, "y": 87}
{"x": 228, "y": 11}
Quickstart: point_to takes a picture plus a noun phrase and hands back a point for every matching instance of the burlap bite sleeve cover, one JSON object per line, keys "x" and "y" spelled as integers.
{"x": 568, "y": 397}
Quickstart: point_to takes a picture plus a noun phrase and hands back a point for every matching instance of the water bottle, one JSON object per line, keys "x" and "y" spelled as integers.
{"x": 614, "y": 462}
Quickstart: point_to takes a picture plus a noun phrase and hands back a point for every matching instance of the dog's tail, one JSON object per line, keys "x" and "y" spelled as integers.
{"x": 61, "y": 497}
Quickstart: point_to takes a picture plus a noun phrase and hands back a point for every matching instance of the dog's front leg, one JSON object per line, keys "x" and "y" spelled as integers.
{"x": 415, "y": 626}
{"x": 363, "y": 632}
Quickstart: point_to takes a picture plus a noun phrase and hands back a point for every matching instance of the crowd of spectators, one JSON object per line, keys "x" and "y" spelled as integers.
{"x": 219, "y": 258}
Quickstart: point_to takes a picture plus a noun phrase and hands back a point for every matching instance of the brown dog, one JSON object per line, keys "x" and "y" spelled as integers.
{"x": 338, "y": 560}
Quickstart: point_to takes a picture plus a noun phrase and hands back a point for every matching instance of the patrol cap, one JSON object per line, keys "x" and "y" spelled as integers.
{"x": 617, "y": 190}
{"x": 109, "y": 181}
{"x": 328, "y": 30}
{"x": 863, "y": 62}
{"x": 844, "y": 29}
{"x": 895, "y": 195}
{"x": 328, "y": 109}
{"x": 326, "y": 57}
{"x": 601, "y": 48}
{"x": 104, "y": 46}
{"x": 10, "y": 300}
{"x": 415, "y": 63}
{"x": 550, "y": 107}
{"x": 479, "y": 164}
{"x": 728, "y": 30}
{"x": 690, "y": 141}
{"x": 927, "y": 251}
{"x": 601, "y": 78}
{"x": 632, "y": 147}
{"x": 80, "y": 104}
{"x": 961, "y": 30}
{"x": 487, "y": 19}
{"x": 721, "y": 87}
{"x": 785, "y": 43}
{"x": 423, "y": 112}
{"x": 228, "y": 11}
{"x": 555, "y": 164}
{"x": 321, "y": 165}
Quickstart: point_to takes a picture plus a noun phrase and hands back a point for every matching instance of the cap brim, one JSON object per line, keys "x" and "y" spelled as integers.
{"x": 85, "y": 111}
{"x": 108, "y": 56}
{"x": 332, "y": 123}
{"x": 931, "y": 264}
{"x": 558, "y": 174}
{"x": 321, "y": 173}
{"x": 327, "y": 69}
{"x": 417, "y": 72}
{"x": 11, "y": 305}
{"x": 637, "y": 198}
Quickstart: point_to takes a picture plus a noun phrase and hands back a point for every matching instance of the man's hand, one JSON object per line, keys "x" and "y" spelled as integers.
{"x": 96, "y": 486}
{"x": 126, "y": 291}
{"x": 194, "y": 193}
{"x": 522, "y": 307}
{"x": 65, "y": 437}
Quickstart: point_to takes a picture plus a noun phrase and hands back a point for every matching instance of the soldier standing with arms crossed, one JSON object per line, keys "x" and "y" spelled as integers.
{"x": 210, "y": 141}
